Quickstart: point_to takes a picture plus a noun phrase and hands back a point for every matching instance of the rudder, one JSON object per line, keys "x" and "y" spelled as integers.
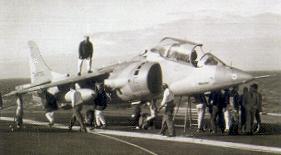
{"x": 39, "y": 71}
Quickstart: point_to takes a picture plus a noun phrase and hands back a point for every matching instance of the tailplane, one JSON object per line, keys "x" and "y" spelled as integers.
{"x": 40, "y": 72}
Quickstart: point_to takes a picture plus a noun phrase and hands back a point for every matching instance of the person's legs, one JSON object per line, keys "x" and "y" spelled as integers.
{"x": 243, "y": 119}
{"x": 72, "y": 122}
{"x": 249, "y": 121}
{"x": 170, "y": 125}
{"x": 200, "y": 112}
{"x": 97, "y": 114}
{"x": 135, "y": 116}
{"x": 226, "y": 118}
{"x": 78, "y": 115}
{"x": 164, "y": 124}
{"x": 214, "y": 116}
{"x": 89, "y": 65}
{"x": 80, "y": 64}
{"x": 19, "y": 112}
{"x": 101, "y": 118}
{"x": 152, "y": 108}
{"x": 50, "y": 117}
{"x": 258, "y": 119}
{"x": 90, "y": 117}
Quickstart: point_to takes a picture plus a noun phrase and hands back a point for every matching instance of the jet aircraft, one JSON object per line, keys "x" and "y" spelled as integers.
{"x": 182, "y": 64}
{"x": 129, "y": 80}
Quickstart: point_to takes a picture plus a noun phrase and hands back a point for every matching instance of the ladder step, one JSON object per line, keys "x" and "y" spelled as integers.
{"x": 177, "y": 125}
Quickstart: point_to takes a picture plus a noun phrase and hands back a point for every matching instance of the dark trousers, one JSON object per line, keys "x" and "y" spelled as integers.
{"x": 250, "y": 113}
{"x": 77, "y": 116}
{"x": 243, "y": 119}
{"x": 217, "y": 119}
{"x": 90, "y": 117}
{"x": 167, "y": 120}
{"x": 258, "y": 117}
{"x": 167, "y": 123}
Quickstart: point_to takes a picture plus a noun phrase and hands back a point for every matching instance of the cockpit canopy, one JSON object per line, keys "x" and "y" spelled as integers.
{"x": 183, "y": 51}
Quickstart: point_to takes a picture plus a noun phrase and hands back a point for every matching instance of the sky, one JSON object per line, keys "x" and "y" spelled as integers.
{"x": 59, "y": 25}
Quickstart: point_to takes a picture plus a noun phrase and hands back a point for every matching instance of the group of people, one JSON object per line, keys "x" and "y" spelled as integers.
{"x": 144, "y": 120}
{"x": 230, "y": 111}
{"x": 94, "y": 115}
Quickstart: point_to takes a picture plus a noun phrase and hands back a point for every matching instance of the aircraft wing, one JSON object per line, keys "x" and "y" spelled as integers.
{"x": 100, "y": 74}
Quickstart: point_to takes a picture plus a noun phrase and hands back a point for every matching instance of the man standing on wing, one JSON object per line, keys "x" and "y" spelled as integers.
{"x": 85, "y": 54}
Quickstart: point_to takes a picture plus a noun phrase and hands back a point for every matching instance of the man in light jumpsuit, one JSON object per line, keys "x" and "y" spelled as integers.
{"x": 76, "y": 103}
{"x": 167, "y": 120}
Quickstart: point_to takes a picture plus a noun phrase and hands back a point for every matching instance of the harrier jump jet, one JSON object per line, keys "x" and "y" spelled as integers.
{"x": 130, "y": 80}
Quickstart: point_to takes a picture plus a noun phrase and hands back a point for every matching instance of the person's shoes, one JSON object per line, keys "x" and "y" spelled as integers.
{"x": 79, "y": 73}
{"x": 92, "y": 128}
{"x": 137, "y": 127}
{"x": 257, "y": 130}
{"x": 51, "y": 124}
{"x": 90, "y": 71}
{"x": 162, "y": 134}
{"x": 103, "y": 126}
{"x": 18, "y": 126}
{"x": 70, "y": 128}
{"x": 173, "y": 135}
{"x": 84, "y": 130}
{"x": 199, "y": 130}
{"x": 249, "y": 133}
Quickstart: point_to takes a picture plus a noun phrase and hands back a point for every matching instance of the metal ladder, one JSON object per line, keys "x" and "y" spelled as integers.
{"x": 190, "y": 115}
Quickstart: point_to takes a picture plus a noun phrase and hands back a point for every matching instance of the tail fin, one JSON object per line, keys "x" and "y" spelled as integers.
{"x": 40, "y": 72}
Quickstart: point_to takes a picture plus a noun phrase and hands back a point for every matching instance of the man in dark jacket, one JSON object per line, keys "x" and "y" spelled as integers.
{"x": 85, "y": 53}
{"x": 258, "y": 107}
{"x": 216, "y": 105}
{"x": 243, "y": 102}
{"x": 101, "y": 103}
{"x": 234, "y": 110}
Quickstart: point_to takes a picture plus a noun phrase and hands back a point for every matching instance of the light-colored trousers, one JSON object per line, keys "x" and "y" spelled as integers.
{"x": 80, "y": 64}
{"x": 201, "y": 114}
{"x": 99, "y": 117}
{"x": 50, "y": 117}
{"x": 226, "y": 117}
{"x": 152, "y": 109}
{"x": 19, "y": 110}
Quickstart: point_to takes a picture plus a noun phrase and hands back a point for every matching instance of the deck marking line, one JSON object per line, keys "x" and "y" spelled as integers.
{"x": 61, "y": 126}
{"x": 241, "y": 146}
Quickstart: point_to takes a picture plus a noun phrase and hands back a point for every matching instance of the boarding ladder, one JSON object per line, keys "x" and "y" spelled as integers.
{"x": 190, "y": 117}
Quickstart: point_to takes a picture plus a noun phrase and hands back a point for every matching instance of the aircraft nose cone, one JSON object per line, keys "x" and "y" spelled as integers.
{"x": 241, "y": 76}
